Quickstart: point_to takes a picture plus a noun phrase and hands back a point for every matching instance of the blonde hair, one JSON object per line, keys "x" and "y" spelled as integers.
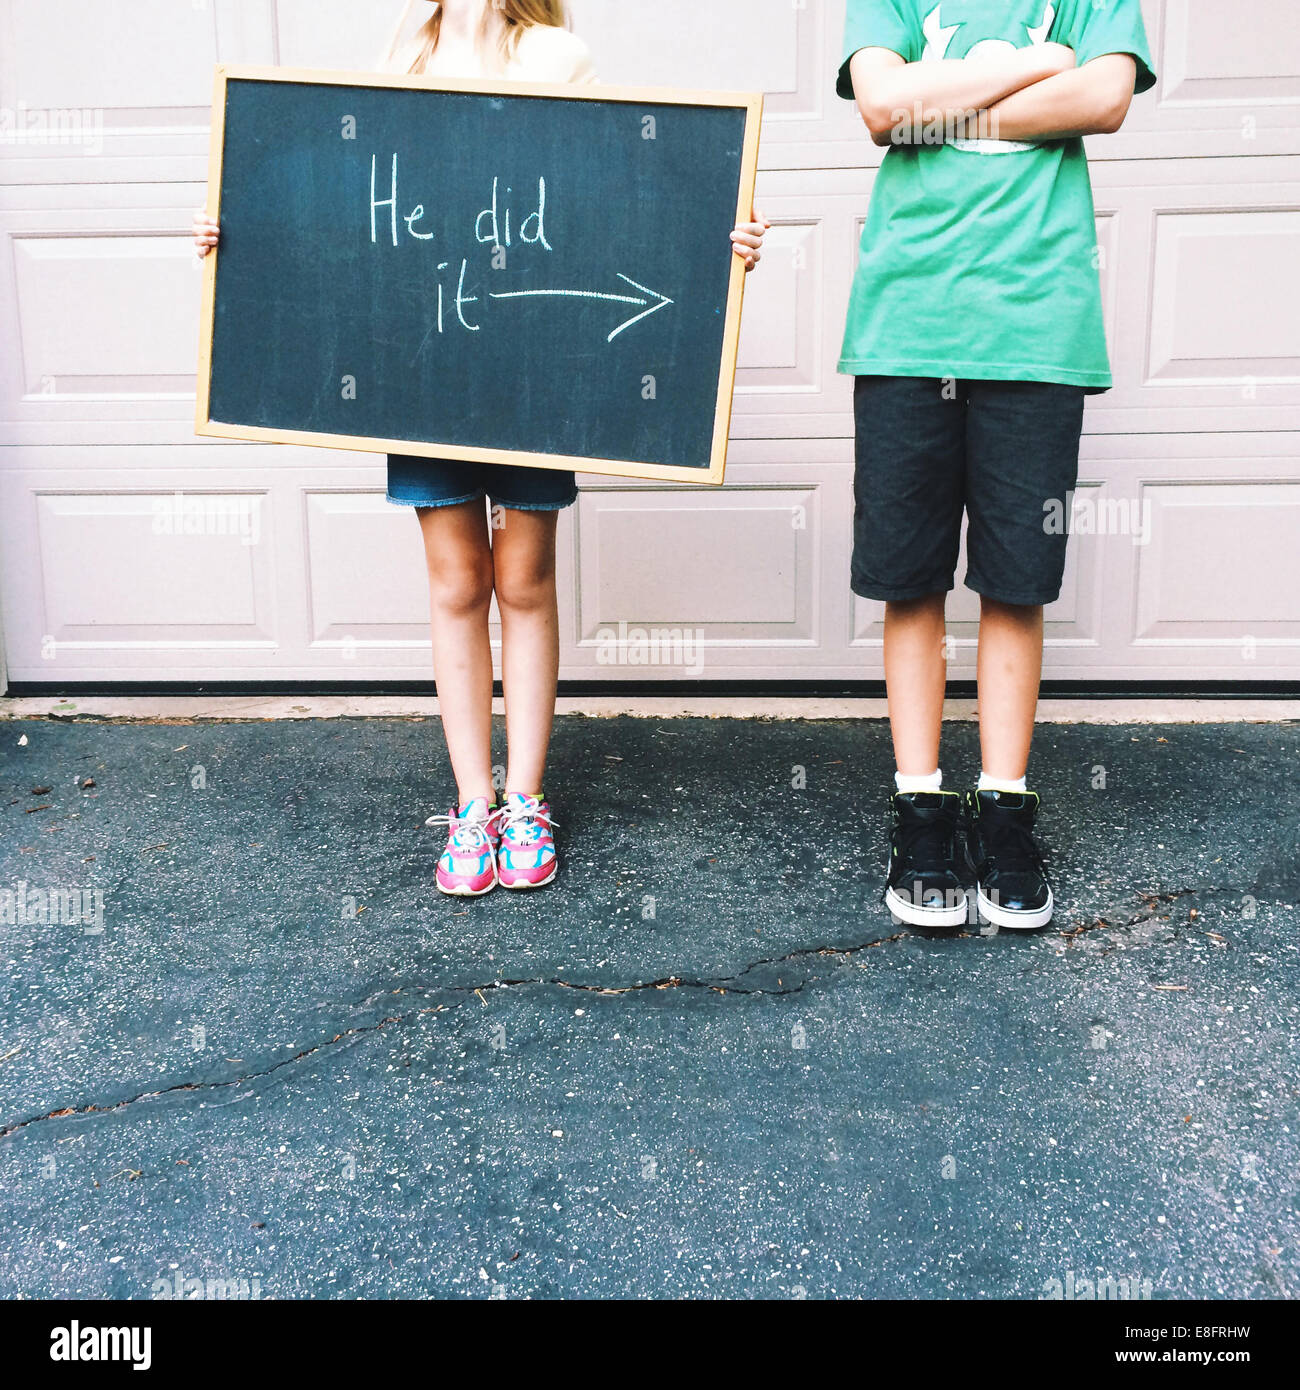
{"x": 515, "y": 16}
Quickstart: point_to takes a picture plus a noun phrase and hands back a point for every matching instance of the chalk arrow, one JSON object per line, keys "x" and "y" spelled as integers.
{"x": 656, "y": 301}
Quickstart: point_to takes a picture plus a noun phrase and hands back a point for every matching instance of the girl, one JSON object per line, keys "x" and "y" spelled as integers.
{"x": 511, "y": 843}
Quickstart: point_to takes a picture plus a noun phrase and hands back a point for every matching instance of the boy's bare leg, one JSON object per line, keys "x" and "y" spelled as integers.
{"x": 915, "y": 673}
{"x": 1009, "y": 671}
{"x": 923, "y": 886}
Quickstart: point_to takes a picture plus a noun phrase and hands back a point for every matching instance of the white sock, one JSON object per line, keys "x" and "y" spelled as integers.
{"x": 931, "y": 782}
{"x": 1000, "y": 784}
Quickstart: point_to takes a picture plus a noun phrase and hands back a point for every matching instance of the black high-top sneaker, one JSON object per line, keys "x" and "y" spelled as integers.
{"x": 923, "y": 888}
{"x": 1005, "y": 859}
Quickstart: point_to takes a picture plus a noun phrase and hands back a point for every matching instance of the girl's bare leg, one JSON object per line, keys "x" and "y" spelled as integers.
{"x": 459, "y": 560}
{"x": 523, "y": 557}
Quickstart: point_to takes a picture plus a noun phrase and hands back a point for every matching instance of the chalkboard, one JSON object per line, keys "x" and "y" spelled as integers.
{"x": 518, "y": 273}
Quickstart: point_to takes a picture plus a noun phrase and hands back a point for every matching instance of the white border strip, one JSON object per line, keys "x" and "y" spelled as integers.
{"x": 145, "y": 709}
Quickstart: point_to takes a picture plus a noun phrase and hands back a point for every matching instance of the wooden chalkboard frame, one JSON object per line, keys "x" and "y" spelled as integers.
{"x": 751, "y": 102}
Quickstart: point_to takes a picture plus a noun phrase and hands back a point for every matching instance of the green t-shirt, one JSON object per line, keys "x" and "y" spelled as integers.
{"x": 979, "y": 257}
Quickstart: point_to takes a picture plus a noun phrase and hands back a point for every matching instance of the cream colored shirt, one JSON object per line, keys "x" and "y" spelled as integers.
{"x": 544, "y": 54}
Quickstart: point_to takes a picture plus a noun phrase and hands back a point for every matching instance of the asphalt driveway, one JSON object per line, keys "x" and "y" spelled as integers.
{"x": 256, "y": 1048}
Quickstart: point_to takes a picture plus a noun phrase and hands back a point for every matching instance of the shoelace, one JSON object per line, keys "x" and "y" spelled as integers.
{"x": 524, "y": 820}
{"x": 931, "y": 835}
{"x": 476, "y": 829}
{"x": 1010, "y": 845}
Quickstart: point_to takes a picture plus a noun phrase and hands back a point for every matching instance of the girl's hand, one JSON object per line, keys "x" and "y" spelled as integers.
{"x": 747, "y": 240}
{"x": 206, "y": 233}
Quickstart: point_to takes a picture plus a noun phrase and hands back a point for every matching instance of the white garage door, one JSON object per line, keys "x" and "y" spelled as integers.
{"x": 294, "y": 568}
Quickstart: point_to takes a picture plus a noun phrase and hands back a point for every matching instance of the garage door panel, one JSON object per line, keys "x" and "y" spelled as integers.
{"x": 1188, "y": 269}
{"x": 366, "y": 578}
{"x": 337, "y": 34}
{"x": 120, "y": 573}
{"x": 118, "y": 89}
{"x": 1108, "y": 248}
{"x": 345, "y": 537}
{"x": 1219, "y": 281}
{"x": 787, "y": 49}
{"x": 94, "y": 53}
{"x": 1246, "y": 54}
{"x": 195, "y": 579}
{"x": 1229, "y": 81}
{"x": 1223, "y": 563}
{"x": 752, "y": 578}
{"x": 1211, "y": 590}
{"x": 684, "y": 544}
{"x": 779, "y": 341}
{"x": 304, "y": 569}
{"x": 1204, "y": 293}
{"x": 775, "y": 50}
{"x": 98, "y": 315}
{"x": 102, "y": 298}
{"x": 787, "y": 385}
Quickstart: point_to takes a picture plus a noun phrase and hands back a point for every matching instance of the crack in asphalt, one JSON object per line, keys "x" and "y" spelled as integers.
{"x": 720, "y": 986}
{"x": 1154, "y": 901}
{"x": 1155, "y": 910}
{"x": 1152, "y": 913}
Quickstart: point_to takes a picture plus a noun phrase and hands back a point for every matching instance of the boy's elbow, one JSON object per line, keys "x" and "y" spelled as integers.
{"x": 1113, "y": 115}
{"x": 881, "y": 121}
{"x": 1107, "y": 86}
{"x": 1113, "y": 92}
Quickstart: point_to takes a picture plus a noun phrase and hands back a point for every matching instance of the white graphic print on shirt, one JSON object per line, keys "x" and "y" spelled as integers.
{"x": 939, "y": 43}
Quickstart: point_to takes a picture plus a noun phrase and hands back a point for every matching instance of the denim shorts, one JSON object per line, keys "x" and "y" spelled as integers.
{"x": 414, "y": 481}
{"x": 1001, "y": 452}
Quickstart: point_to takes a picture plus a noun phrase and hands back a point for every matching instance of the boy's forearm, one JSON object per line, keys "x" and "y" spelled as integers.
{"x": 905, "y": 98}
{"x": 1091, "y": 100}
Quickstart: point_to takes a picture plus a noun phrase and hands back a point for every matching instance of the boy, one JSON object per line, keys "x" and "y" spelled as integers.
{"x": 975, "y": 332}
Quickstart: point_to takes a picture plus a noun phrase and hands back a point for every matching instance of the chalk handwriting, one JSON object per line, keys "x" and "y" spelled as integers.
{"x": 497, "y": 225}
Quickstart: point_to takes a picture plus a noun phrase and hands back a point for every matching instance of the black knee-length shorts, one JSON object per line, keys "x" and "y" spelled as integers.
{"x": 1006, "y": 453}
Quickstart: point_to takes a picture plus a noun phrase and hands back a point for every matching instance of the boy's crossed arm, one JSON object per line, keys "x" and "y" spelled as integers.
{"x": 899, "y": 99}
{"x": 1091, "y": 100}
{"x": 1035, "y": 93}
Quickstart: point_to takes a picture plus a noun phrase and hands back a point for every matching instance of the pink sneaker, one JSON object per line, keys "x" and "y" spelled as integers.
{"x": 468, "y": 867}
{"x": 526, "y": 853}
